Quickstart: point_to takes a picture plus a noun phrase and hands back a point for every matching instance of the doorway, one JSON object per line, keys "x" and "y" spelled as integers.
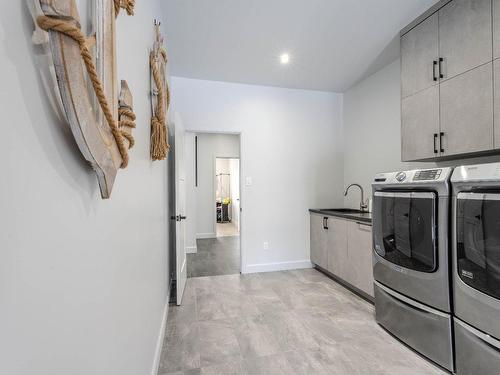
{"x": 213, "y": 181}
{"x": 227, "y": 197}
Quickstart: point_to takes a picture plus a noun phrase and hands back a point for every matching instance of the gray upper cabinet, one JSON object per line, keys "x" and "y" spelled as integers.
{"x": 465, "y": 36}
{"x": 454, "y": 116}
{"x": 496, "y": 29}
{"x": 420, "y": 125}
{"x": 419, "y": 54}
{"x": 467, "y": 112}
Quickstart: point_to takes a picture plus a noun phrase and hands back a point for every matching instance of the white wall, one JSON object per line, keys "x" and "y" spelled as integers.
{"x": 83, "y": 281}
{"x": 210, "y": 146}
{"x": 372, "y": 131}
{"x": 291, "y": 146}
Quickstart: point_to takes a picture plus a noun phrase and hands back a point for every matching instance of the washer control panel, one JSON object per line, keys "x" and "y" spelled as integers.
{"x": 401, "y": 176}
{"x": 427, "y": 175}
{"x": 421, "y": 176}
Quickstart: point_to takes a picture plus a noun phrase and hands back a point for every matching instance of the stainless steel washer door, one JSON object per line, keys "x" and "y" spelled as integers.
{"x": 476, "y": 255}
{"x": 410, "y": 240}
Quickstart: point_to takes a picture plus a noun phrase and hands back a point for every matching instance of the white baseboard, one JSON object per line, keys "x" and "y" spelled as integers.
{"x": 200, "y": 236}
{"x": 161, "y": 337}
{"x": 279, "y": 266}
{"x": 191, "y": 249}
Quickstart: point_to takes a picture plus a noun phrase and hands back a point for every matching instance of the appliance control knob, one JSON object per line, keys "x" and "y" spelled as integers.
{"x": 400, "y": 176}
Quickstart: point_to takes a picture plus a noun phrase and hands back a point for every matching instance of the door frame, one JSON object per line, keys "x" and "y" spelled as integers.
{"x": 242, "y": 192}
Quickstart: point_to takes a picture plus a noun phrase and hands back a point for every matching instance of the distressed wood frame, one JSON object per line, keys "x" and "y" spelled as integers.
{"x": 87, "y": 122}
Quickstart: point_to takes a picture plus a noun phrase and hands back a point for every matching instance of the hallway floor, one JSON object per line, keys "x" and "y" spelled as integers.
{"x": 227, "y": 229}
{"x": 215, "y": 256}
{"x": 290, "y": 322}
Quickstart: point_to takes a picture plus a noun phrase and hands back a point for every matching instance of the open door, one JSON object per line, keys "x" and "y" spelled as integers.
{"x": 180, "y": 209}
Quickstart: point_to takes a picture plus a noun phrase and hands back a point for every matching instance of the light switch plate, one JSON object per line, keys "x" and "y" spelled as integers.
{"x": 248, "y": 181}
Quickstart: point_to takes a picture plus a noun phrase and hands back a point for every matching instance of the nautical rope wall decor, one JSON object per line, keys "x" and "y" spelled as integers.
{"x": 160, "y": 98}
{"x": 101, "y": 119}
{"x": 69, "y": 28}
{"x": 128, "y": 5}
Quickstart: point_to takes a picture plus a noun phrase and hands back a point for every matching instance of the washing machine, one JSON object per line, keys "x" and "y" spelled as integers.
{"x": 476, "y": 268}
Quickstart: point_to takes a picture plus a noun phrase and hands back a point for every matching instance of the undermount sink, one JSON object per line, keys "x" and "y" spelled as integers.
{"x": 345, "y": 210}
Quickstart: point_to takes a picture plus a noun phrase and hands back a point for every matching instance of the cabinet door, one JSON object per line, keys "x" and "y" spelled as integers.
{"x": 496, "y": 111}
{"x": 496, "y": 29}
{"x": 465, "y": 37}
{"x": 318, "y": 243}
{"x": 466, "y": 103}
{"x": 337, "y": 247}
{"x": 359, "y": 252}
{"x": 419, "y": 123}
{"x": 419, "y": 49}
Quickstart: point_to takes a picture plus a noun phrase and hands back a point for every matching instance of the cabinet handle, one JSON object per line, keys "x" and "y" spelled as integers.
{"x": 441, "y": 75}
{"x": 434, "y": 64}
{"x": 435, "y": 139}
{"x": 364, "y": 227}
{"x": 325, "y": 223}
{"x": 441, "y": 148}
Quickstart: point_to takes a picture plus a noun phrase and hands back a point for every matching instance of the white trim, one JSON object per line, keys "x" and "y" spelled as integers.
{"x": 191, "y": 249}
{"x": 161, "y": 337}
{"x": 278, "y": 266}
{"x": 200, "y": 236}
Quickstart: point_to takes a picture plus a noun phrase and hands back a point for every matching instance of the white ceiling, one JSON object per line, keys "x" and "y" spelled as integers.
{"x": 332, "y": 43}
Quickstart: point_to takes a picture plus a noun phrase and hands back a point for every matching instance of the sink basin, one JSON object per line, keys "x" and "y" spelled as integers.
{"x": 345, "y": 210}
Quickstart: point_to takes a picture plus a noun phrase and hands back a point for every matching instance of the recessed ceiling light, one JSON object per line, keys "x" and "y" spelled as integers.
{"x": 285, "y": 58}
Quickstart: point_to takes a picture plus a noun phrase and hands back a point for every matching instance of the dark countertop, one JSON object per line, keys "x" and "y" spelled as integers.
{"x": 356, "y": 215}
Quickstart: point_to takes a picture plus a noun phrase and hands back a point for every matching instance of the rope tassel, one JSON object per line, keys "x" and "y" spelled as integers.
{"x": 159, "y": 132}
{"x": 128, "y": 5}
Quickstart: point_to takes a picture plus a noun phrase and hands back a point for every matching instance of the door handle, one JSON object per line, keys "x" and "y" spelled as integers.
{"x": 178, "y": 217}
{"x": 435, "y": 139}
{"x": 441, "y": 135}
{"x": 441, "y": 75}
{"x": 434, "y": 65}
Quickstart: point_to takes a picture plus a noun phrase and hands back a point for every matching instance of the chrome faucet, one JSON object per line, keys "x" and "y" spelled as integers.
{"x": 362, "y": 204}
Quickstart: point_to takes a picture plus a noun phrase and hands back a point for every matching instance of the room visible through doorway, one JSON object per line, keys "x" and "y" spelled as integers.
{"x": 213, "y": 225}
{"x": 227, "y": 196}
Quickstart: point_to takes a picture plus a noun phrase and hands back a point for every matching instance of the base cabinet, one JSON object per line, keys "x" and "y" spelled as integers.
{"x": 337, "y": 247}
{"x": 319, "y": 239}
{"x": 343, "y": 248}
{"x": 359, "y": 250}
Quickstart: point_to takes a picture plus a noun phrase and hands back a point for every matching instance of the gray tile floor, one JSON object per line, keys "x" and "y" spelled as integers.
{"x": 290, "y": 322}
{"x": 215, "y": 256}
